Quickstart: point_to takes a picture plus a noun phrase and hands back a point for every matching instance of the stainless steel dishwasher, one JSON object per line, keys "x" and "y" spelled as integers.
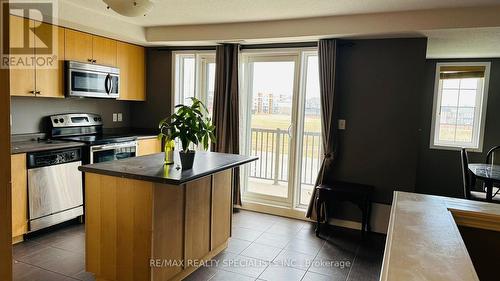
{"x": 55, "y": 189}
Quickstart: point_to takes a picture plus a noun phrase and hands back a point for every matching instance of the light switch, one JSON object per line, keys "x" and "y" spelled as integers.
{"x": 115, "y": 117}
{"x": 341, "y": 124}
{"x": 120, "y": 117}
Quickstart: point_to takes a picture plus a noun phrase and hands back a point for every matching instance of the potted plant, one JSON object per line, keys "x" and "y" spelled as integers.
{"x": 190, "y": 126}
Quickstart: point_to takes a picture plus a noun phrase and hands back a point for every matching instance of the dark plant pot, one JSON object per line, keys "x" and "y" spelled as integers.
{"x": 187, "y": 159}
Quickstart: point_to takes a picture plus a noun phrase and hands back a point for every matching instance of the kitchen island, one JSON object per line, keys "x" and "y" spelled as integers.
{"x": 150, "y": 221}
{"x": 441, "y": 238}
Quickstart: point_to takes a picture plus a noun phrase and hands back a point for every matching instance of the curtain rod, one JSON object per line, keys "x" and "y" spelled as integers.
{"x": 342, "y": 43}
{"x": 242, "y": 47}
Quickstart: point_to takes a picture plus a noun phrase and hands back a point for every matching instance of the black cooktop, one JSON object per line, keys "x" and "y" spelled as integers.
{"x": 101, "y": 139}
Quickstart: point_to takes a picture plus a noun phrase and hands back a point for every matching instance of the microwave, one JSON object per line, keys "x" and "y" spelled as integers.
{"x": 88, "y": 80}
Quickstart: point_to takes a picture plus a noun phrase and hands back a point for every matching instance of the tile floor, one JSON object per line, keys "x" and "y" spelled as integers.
{"x": 263, "y": 247}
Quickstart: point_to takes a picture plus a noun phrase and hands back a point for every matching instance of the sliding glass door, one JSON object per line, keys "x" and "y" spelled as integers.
{"x": 280, "y": 114}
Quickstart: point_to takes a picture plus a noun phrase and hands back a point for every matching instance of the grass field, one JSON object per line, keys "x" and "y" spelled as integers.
{"x": 281, "y": 121}
{"x": 265, "y": 142}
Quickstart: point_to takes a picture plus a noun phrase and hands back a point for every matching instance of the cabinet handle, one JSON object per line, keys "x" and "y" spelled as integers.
{"x": 94, "y": 61}
{"x": 38, "y": 93}
{"x": 32, "y": 92}
{"x": 89, "y": 60}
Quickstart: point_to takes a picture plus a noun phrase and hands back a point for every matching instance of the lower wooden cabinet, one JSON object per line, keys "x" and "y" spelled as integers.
{"x": 19, "y": 176}
{"x": 148, "y": 146}
{"x": 174, "y": 226}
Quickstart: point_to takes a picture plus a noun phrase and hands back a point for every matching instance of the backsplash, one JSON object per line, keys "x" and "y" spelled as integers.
{"x": 28, "y": 112}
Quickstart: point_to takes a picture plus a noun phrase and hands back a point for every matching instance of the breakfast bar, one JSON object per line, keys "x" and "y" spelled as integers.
{"x": 150, "y": 221}
{"x": 441, "y": 238}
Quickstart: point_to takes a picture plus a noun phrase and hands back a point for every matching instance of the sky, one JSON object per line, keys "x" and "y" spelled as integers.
{"x": 277, "y": 77}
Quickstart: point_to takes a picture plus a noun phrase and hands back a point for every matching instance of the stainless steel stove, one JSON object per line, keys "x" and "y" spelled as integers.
{"x": 88, "y": 128}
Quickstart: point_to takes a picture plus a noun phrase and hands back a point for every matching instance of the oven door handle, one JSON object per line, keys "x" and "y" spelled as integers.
{"x": 112, "y": 146}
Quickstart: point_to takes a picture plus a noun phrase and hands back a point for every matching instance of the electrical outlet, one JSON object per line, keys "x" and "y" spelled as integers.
{"x": 115, "y": 117}
{"x": 341, "y": 124}
{"x": 120, "y": 117}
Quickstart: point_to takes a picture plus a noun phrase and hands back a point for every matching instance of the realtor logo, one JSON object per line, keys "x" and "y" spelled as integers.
{"x": 28, "y": 33}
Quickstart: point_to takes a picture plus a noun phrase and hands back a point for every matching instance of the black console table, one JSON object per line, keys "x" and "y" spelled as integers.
{"x": 359, "y": 194}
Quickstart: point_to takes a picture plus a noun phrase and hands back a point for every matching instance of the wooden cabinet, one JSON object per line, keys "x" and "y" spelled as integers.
{"x": 131, "y": 61}
{"x": 104, "y": 50}
{"x": 19, "y": 176}
{"x": 87, "y": 48}
{"x": 148, "y": 146}
{"x": 37, "y": 80}
{"x": 78, "y": 46}
{"x": 49, "y": 82}
{"x": 22, "y": 81}
{"x": 143, "y": 220}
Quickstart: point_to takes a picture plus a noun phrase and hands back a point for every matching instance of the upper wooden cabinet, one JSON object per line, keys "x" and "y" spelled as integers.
{"x": 104, "y": 50}
{"x": 50, "y": 81}
{"x": 131, "y": 61}
{"x": 86, "y": 47}
{"x": 35, "y": 80}
{"x": 22, "y": 81}
{"x": 78, "y": 46}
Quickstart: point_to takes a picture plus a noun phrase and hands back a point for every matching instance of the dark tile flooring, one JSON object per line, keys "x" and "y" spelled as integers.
{"x": 263, "y": 247}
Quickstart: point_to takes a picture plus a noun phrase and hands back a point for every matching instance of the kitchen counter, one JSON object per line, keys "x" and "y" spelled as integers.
{"x": 152, "y": 168}
{"x": 154, "y": 221}
{"x": 29, "y": 142}
{"x": 34, "y": 145}
{"x": 424, "y": 241}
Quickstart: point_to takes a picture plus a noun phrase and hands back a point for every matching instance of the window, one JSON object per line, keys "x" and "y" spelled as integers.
{"x": 194, "y": 76}
{"x": 460, "y": 99}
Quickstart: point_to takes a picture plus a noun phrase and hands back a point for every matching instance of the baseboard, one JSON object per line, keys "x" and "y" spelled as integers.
{"x": 379, "y": 219}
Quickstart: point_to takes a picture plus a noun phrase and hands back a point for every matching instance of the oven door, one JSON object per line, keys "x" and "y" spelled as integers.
{"x": 111, "y": 152}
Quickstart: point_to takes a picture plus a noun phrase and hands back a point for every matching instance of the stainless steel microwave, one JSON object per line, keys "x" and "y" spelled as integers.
{"x": 92, "y": 80}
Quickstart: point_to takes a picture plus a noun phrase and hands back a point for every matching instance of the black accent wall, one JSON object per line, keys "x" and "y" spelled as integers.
{"x": 147, "y": 115}
{"x": 378, "y": 92}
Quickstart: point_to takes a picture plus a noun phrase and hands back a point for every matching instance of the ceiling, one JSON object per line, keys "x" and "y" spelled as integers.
{"x": 459, "y": 29}
{"x": 184, "y": 12}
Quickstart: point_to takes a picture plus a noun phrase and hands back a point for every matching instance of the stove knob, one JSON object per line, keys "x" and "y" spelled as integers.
{"x": 100, "y": 119}
{"x": 56, "y": 121}
{"x": 95, "y": 119}
{"x": 61, "y": 120}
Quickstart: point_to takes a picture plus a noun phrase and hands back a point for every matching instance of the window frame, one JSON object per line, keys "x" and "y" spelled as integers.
{"x": 479, "y": 117}
{"x": 201, "y": 59}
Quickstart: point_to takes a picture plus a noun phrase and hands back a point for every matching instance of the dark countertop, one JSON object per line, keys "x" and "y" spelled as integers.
{"x": 24, "y": 143}
{"x": 152, "y": 168}
{"x": 34, "y": 145}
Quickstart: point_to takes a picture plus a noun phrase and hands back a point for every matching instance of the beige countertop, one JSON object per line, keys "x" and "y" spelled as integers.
{"x": 423, "y": 239}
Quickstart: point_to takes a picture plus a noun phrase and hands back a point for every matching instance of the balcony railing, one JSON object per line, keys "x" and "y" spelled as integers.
{"x": 272, "y": 146}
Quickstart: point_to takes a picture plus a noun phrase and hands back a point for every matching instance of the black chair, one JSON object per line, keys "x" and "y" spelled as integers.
{"x": 491, "y": 159}
{"x": 469, "y": 181}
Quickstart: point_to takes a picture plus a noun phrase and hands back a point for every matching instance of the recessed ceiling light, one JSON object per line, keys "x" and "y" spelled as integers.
{"x": 130, "y": 8}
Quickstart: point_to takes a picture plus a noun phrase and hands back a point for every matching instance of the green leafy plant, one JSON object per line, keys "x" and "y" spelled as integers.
{"x": 189, "y": 125}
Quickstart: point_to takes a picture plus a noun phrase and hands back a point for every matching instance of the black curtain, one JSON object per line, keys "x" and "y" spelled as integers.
{"x": 226, "y": 107}
{"x": 327, "y": 56}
